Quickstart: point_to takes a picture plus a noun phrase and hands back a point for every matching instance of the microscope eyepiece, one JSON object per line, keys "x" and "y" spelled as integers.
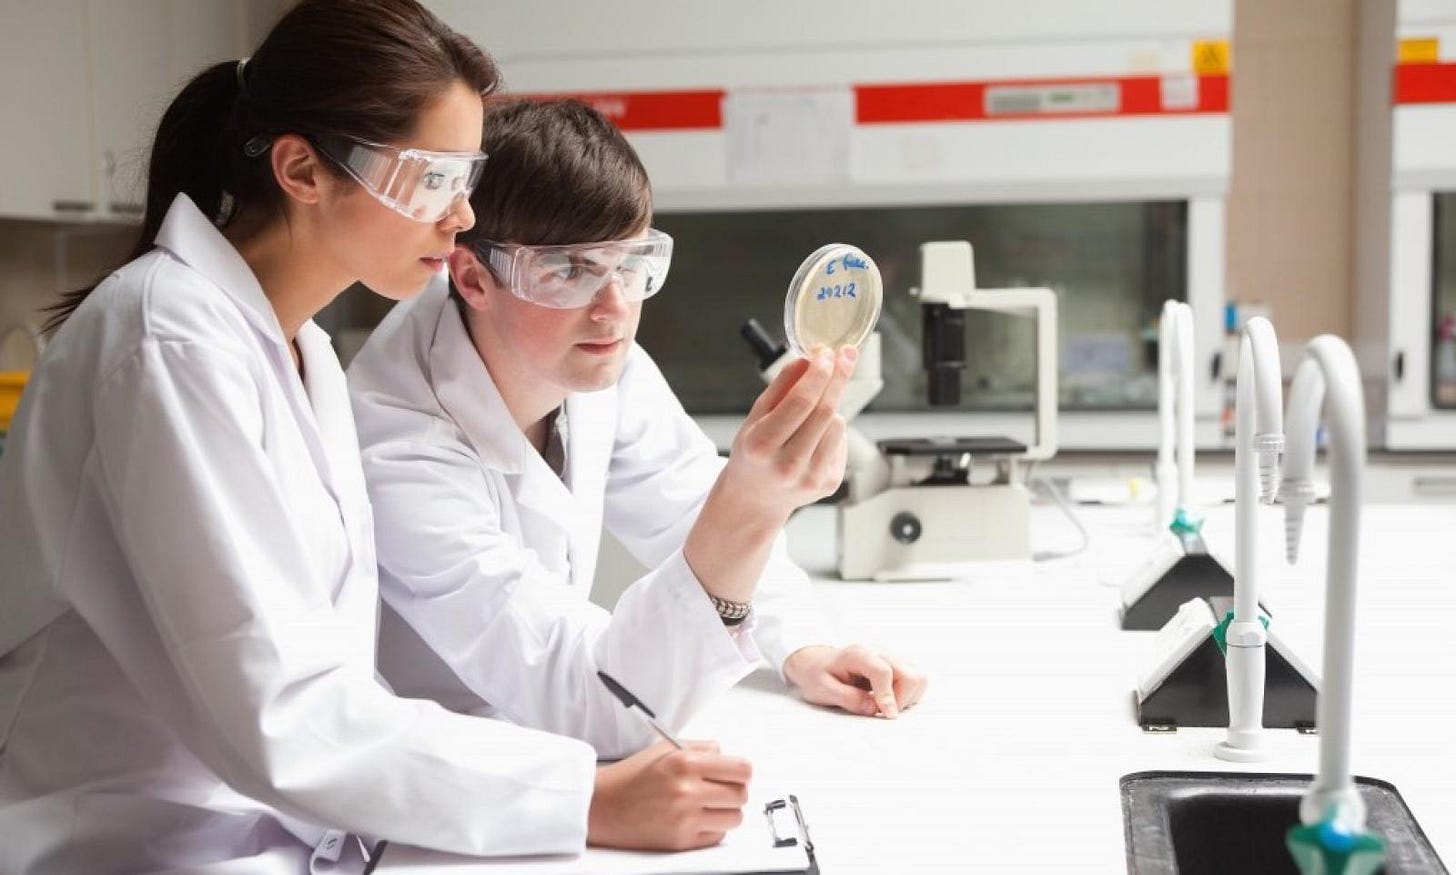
{"x": 762, "y": 344}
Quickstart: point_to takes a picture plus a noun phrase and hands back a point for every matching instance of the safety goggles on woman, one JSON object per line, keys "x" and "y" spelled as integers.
{"x": 416, "y": 183}
{"x": 568, "y": 276}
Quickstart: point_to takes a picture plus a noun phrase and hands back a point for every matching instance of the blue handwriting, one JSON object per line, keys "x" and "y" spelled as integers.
{"x": 838, "y": 290}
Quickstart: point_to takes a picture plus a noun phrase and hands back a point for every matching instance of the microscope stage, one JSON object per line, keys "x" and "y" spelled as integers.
{"x": 975, "y": 446}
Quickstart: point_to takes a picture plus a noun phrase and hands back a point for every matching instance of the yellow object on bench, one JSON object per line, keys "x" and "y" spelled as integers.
{"x": 11, "y": 384}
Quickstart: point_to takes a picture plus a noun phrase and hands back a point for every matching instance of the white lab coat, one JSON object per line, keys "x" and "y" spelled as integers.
{"x": 188, "y": 605}
{"x": 487, "y": 556}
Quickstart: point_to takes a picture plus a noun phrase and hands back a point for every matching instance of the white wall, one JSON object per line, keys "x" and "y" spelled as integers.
{"x": 756, "y": 46}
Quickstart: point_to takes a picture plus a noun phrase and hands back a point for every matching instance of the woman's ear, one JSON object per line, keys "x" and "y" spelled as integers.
{"x": 297, "y": 168}
{"x": 472, "y": 280}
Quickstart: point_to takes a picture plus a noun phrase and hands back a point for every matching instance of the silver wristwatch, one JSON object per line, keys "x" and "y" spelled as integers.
{"x": 732, "y": 613}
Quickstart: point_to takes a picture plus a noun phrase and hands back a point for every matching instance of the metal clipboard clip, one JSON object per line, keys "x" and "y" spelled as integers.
{"x": 784, "y": 839}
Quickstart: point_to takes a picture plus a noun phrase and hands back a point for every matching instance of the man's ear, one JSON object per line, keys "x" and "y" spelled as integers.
{"x": 471, "y": 279}
{"x": 297, "y": 168}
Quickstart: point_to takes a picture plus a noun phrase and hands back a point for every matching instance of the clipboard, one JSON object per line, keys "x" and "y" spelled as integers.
{"x": 775, "y": 843}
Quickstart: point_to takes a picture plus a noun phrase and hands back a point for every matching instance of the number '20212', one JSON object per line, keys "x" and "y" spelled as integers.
{"x": 838, "y": 290}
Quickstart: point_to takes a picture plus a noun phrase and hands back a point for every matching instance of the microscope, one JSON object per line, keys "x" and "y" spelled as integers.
{"x": 916, "y": 508}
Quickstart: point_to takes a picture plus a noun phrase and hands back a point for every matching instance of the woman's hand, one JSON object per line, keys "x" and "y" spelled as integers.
{"x": 667, "y": 799}
{"x": 854, "y": 679}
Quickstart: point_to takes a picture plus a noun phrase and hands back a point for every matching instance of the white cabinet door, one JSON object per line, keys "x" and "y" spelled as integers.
{"x": 143, "y": 53}
{"x": 130, "y": 42}
{"x": 45, "y": 148}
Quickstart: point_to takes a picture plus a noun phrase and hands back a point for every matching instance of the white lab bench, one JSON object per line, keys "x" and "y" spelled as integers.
{"x": 1012, "y": 761}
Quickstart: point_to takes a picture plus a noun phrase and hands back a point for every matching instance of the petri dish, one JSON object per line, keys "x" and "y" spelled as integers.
{"x": 833, "y": 300}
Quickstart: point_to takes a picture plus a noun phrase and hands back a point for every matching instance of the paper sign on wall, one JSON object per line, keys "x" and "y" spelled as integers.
{"x": 788, "y": 137}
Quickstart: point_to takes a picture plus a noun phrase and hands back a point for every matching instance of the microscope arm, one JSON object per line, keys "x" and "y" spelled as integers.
{"x": 1041, "y": 305}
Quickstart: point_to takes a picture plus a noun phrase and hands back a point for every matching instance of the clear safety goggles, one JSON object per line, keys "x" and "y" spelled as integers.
{"x": 416, "y": 183}
{"x": 568, "y": 276}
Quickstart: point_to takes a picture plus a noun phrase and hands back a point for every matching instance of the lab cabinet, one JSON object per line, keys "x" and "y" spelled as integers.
{"x": 86, "y": 82}
{"x": 1420, "y": 368}
{"x": 144, "y": 51}
{"x": 1422, "y": 378}
{"x": 46, "y": 145}
{"x": 130, "y": 86}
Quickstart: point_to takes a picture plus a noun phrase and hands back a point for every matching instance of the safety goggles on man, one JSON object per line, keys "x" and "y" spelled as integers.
{"x": 568, "y": 276}
{"x": 418, "y": 184}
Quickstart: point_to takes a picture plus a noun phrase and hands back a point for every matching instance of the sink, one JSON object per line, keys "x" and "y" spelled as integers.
{"x": 1192, "y": 823}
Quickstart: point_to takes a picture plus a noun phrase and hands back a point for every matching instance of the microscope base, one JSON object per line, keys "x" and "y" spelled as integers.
{"x": 1180, "y": 568}
{"x": 920, "y": 532}
{"x": 1188, "y": 685}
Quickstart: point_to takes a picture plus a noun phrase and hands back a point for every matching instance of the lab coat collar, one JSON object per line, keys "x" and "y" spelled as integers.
{"x": 468, "y": 394}
{"x": 321, "y": 399}
{"x": 328, "y": 397}
{"x": 192, "y": 238}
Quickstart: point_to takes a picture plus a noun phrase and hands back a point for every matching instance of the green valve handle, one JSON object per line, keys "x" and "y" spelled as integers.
{"x": 1331, "y": 848}
{"x": 1220, "y": 632}
{"x": 1185, "y": 523}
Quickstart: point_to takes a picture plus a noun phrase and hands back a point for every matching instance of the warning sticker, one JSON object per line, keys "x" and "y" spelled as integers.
{"x": 1418, "y": 50}
{"x": 1211, "y": 57}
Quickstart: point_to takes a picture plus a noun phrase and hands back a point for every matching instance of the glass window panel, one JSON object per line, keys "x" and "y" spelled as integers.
{"x": 1111, "y": 264}
{"x": 1443, "y": 305}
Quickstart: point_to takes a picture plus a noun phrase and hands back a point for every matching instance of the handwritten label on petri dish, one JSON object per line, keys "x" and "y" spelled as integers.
{"x": 838, "y": 290}
{"x": 833, "y": 300}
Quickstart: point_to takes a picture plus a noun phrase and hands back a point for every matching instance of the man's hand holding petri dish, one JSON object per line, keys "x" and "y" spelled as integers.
{"x": 791, "y": 448}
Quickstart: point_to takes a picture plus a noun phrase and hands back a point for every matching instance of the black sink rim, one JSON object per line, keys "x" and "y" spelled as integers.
{"x": 1156, "y": 852}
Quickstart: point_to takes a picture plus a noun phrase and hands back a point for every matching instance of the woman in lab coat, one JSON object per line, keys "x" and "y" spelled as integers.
{"x": 188, "y": 596}
{"x": 505, "y": 420}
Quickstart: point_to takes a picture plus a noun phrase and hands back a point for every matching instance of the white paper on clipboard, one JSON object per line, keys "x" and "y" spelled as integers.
{"x": 788, "y": 136}
{"x": 749, "y": 848}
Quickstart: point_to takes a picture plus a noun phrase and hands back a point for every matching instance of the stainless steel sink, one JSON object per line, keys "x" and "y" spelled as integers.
{"x": 1192, "y": 823}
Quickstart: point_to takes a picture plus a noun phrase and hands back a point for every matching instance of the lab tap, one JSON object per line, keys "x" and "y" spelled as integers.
{"x": 1328, "y": 372}
{"x": 1258, "y": 443}
{"x": 1175, "y": 413}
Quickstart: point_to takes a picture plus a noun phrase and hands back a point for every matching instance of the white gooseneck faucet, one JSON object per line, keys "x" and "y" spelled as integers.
{"x": 1258, "y": 442}
{"x": 1175, "y": 412}
{"x": 1329, "y": 371}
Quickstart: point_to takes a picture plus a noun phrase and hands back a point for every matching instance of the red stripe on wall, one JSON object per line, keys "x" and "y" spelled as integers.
{"x": 652, "y": 110}
{"x": 1425, "y": 83}
{"x": 966, "y": 101}
{"x": 898, "y": 103}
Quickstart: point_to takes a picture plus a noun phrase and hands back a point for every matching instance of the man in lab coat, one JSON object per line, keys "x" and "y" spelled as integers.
{"x": 506, "y": 416}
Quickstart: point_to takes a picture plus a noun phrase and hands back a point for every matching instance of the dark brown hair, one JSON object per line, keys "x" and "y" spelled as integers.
{"x": 558, "y": 172}
{"x": 356, "y": 68}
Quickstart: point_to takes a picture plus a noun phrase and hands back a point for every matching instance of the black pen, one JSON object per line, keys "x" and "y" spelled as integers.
{"x": 630, "y": 701}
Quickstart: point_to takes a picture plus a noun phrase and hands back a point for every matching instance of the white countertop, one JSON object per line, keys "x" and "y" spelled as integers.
{"x": 1012, "y": 761}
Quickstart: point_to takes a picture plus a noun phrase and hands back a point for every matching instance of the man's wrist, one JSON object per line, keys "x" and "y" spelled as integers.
{"x": 746, "y": 509}
{"x": 730, "y": 612}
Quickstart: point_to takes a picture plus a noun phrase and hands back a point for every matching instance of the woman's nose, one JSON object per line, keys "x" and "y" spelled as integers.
{"x": 461, "y": 216}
